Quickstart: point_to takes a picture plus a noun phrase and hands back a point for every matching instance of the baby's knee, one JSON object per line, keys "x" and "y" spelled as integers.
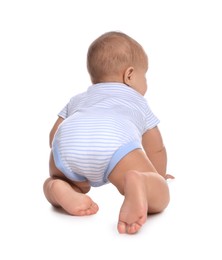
{"x": 160, "y": 196}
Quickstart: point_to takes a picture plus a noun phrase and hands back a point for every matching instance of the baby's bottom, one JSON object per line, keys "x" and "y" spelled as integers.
{"x": 145, "y": 191}
{"x": 61, "y": 192}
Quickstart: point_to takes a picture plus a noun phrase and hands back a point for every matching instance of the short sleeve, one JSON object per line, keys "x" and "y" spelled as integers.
{"x": 64, "y": 112}
{"x": 151, "y": 120}
{"x": 72, "y": 106}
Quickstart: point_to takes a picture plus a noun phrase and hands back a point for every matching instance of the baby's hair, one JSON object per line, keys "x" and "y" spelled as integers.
{"x": 112, "y": 53}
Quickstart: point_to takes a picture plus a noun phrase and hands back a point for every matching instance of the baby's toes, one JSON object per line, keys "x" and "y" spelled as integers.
{"x": 121, "y": 227}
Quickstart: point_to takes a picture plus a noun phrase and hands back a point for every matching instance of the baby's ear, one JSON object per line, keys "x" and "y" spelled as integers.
{"x": 127, "y": 76}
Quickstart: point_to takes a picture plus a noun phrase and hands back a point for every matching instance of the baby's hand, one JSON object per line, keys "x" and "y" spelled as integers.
{"x": 169, "y": 176}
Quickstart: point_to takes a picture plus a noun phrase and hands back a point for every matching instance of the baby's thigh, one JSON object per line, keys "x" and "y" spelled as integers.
{"x": 134, "y": 160}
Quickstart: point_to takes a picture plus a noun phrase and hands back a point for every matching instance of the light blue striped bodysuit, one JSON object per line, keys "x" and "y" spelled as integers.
{"x": 101, "y": 126}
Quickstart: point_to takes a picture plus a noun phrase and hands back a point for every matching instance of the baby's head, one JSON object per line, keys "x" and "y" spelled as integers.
{"x": 116, "y": 57}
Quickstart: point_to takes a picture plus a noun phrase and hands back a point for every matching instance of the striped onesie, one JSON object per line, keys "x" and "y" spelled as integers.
{"x": 101, "y": 126}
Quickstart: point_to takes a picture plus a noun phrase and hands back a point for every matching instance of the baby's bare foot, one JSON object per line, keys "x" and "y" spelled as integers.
{"x": 133, "y": 213}
{"x": 75, "y": 203}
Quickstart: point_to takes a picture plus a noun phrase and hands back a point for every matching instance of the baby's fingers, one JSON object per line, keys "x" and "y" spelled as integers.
{"x": 169, "y": 176}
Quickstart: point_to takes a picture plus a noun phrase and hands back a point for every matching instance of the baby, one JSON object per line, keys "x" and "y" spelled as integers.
{"x": 108, "y": 134}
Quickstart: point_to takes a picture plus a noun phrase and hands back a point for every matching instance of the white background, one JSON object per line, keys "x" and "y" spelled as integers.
{"x": 43, "y": 47}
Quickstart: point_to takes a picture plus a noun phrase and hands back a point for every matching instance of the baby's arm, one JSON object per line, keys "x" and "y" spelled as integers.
{"x": 155, "y": 150}
{"x": 54, "y": 128}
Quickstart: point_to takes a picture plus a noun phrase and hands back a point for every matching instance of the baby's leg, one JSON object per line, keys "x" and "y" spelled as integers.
{"x": 61, "y": 194}
{"x": 69, "y": 195}
{"x": 145, "y": 191}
